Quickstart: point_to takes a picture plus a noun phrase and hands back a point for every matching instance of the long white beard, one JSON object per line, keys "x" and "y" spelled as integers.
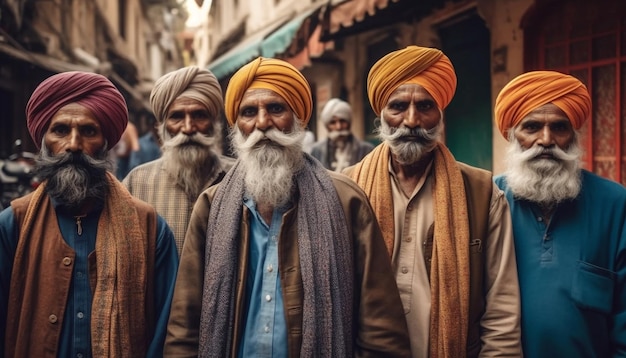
{"x": 408, "y": 150}
{"x": 270, "y": 160}
{"x": 543, "y": 181}
{"x": 190, "y": 160}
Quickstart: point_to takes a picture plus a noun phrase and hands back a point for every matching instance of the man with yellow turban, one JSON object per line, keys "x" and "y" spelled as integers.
{"x": 283, "y": 258}
{"x": 186, "y": 103}
{"x": 569, "y": 224}
{"x": 446, "y": 225}
{"x": 86, "y": 269}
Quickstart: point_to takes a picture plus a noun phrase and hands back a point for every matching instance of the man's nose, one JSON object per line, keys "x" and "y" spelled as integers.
{"x": 546, "y": 138}
{"x": 412, "y": 118}
{"x": 263, "y": 120}
{"x": 189, "y": 125}
{"x": 75, "y": 141}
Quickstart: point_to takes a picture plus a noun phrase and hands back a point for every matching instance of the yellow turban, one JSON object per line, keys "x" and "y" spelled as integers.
{"x": 425, "y": 66}
{"x": 531, "y": 90}
{"x": 276, "y": 75}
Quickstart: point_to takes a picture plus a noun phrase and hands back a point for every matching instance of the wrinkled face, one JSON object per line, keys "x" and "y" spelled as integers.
{"x": 188, "y": 116}
{"x": 412, "y": 106}
{"x": 264, "y": 109}
{"x": 546, "y": 126}
{"x": 74, "y": 129}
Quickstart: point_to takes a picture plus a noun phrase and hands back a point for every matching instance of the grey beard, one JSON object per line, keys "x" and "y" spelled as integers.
{"x": 547, "y": 182}
{"x": 191, "y": 161}
{"x": 270, "y": 160}
{"x": 73, "y": 178}
{"x": 409, "y": 151}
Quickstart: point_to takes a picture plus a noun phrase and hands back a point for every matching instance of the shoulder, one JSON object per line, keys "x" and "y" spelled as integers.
{"x": 602, "y": 188}
{"x": 347, "y": 189}
{"x": 475, "y": 172}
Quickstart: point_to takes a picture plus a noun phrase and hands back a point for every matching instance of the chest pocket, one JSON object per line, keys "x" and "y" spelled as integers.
{"x": 593, "y": 287}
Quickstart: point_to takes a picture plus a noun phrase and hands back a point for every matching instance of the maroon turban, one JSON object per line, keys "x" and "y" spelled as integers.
{"x": 91, "y": 90}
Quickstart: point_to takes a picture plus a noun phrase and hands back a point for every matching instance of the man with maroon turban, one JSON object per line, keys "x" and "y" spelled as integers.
{"x": 186, "y": 103}
{"x": 446, "y": 225}
{"x": 282, "y": 258}
{"x": 569, "y": 224}
{"x": 85, "y": 269}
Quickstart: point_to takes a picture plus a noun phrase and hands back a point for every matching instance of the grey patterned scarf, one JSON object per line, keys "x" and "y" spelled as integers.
{"x": 323, "y": 243}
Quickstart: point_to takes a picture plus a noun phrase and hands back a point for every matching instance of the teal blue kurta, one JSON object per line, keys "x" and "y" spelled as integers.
{"x": 572, "y": 273}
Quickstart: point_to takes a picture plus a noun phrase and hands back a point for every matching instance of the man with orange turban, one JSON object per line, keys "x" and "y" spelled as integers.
{"x": 87, "y": 270}
{"x": 283, "y": 258}
{"x": 187, "y": 103}
{"x": 446, "y": 225}
{"x": 569, "y": 224}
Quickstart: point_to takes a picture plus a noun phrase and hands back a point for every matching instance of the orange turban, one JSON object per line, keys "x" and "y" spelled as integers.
{"x": 425, "y": 66}
{"x": 91, "y": 90}
{"x": 276, "y": 75}
{"x": 531, "y": 90}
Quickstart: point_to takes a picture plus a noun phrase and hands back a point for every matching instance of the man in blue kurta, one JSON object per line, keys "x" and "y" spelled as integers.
{"x": 86, "y": 270}
{"x": 569, "y": 224}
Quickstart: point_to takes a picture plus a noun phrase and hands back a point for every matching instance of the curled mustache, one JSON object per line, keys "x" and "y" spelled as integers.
{"x": 535, "y": 152}
{"x": 272, "y": 136}
{"x": 404, "y": 134}
{"x": 182, "y": 139}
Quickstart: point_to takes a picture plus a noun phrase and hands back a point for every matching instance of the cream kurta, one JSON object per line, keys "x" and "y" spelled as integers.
{"x": 413, "y": 216}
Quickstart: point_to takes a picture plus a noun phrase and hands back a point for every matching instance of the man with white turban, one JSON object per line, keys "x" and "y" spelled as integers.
{"x": 569, "y": 224}
{"x": 86, "y": 269}
{"x": 446, "y": 225}
{"x": 283, "y": 258}
{"x": 341, "y": 149}
{"x": 187, "y": 103}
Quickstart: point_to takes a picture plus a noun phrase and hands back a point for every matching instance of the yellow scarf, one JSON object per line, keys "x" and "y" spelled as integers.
{"x": 449, "y": 277}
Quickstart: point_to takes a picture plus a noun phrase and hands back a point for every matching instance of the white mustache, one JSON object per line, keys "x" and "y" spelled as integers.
{"x": 274, "y": 136}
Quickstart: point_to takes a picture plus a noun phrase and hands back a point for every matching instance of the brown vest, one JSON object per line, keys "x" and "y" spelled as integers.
{"x": 33, "y": 329}
{"x": 478, "y": 189}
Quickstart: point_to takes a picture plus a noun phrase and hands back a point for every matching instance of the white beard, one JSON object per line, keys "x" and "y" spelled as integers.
{"x": 190, "y": 160}
{"x": 270, "y": 160}
{"x": 543, "y": 181}
{"x": 409, "y": 151}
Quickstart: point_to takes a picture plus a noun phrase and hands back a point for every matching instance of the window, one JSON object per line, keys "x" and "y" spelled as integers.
{"x": 587, "y": 40}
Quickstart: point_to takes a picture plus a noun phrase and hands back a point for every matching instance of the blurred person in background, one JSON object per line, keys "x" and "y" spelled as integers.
{"x": 86, "y": 269}
{"x": 149, "y": 146}
{"x": 569, "y": 224}
{"x": 283, "y": 258}
{"x": 447, "y": 226}
{"x": 341, "y": 149}
{"x": 187, "y": 103}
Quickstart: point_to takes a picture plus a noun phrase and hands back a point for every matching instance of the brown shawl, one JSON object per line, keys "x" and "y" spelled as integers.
{"x": 450, "y": 258}
{"x": 118, "y": 307}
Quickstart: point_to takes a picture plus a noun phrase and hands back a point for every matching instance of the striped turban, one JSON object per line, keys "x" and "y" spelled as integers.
{"x": 93, "y": 91}
{"x": 189, "y": 82}
{"x": 273, "y": 74}
{"x": 425, "y": 66}
{"x": 531, "y": 90}
{"x": 336, "y": 108}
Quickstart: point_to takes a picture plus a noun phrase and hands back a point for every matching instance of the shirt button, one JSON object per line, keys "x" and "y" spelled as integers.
{"x": 408, "y": 239}
{"x": 79, "y": 274}
{"x": 270, "y": 268}
{"x": 539, "y": 218}
{"x": 80, "y": 315}
{"x": 67, "y": 261}
{"x": 52, "y": 318}
{"x": 274, "y": 238}
{"x": 268, "y": 298}
{"x": 267, "y": 329}
{"x": 409, "y": 208}
{"x": 79, "y": 355}
{"x": 405, "y": 270}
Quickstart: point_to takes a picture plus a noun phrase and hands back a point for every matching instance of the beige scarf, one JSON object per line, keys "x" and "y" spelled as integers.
{"x": 450, "y": 258}
{"x": 118, "y": 327}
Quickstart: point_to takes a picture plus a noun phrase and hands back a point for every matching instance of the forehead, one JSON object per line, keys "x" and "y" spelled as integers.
{"x": 409, "y": 90}
{"x": 181, "y": 102}
{"x": 74, "y": 112}
{"x": 261, "y": 95}
{"x": 548, "y": 111}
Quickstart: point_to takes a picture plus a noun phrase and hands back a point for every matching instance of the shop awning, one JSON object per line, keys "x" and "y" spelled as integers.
{"x": 278, "y": 41}
{"x": 271, "y": 41}
{"x": 41, "y": 60}
{"x": 356, "y": 16}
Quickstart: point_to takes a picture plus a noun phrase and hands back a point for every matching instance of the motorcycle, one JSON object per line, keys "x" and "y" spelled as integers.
{"x": 17, "y": 175}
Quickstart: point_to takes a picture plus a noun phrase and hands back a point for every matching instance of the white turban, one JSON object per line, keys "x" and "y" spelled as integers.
{"x": 336, "y": 108}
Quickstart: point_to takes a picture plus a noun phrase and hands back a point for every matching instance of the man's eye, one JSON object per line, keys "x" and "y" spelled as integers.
{"x": 176, "y": 116}
{"x": 398, "y": 106}
{"x": 275, "y": 108}
{"x": 424, "y": 106}
{"x": 248, "y": 112}
{"x": 89, "y": 131}
{"x": 60, "y": 130}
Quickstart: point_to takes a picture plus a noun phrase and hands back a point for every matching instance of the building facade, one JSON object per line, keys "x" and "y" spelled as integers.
{"x": 131, "y": 42}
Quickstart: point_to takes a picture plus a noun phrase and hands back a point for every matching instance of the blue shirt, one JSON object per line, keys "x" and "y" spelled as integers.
{"x": 265, "y": 331}
{"x": 75, "y": 340}
{"x": 149, "y": 150}
{"x": 572, "y": 272}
